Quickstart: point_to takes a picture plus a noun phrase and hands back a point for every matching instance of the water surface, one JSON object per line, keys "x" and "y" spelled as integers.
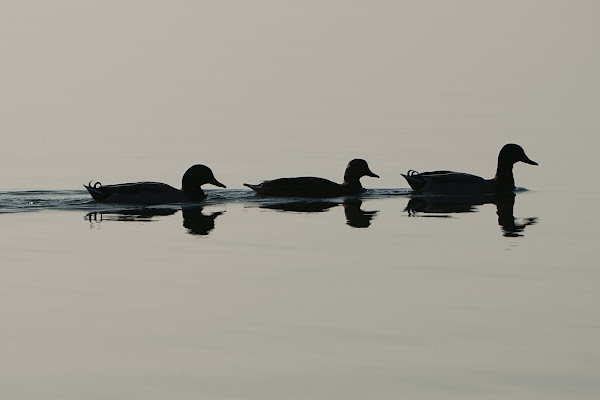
{"x": 376, "y": 295}
{"x": 380, "y": 296}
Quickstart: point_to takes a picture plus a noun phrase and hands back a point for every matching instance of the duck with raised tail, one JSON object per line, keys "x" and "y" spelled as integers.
{"x": 155, "y": 192}
{"x": 309, "y": 186}
{"x": 460, "y": 183}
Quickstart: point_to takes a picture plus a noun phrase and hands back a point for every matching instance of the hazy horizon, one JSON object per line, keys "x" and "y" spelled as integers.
{"x": 384, "y": 295}
{"x": 121, "y": 91}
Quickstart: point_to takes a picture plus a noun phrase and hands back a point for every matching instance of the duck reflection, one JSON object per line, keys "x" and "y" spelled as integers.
{"x": 198, "y": 223}
{"x": 443, "y": 205}
{"x": 356, "y": 217}
{"x": 194, "y": 219}
{"x": 504, "y": 209}
{"x": 129, "y": 215}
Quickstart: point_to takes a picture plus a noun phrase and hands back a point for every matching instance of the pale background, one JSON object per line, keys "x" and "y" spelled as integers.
{"x": 274, "y": 305}
{"x": 127, "y": 90}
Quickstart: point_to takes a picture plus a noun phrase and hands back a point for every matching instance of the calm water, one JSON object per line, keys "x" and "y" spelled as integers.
{"x": 243, "y": 297}
{"x": 381, "y": 296}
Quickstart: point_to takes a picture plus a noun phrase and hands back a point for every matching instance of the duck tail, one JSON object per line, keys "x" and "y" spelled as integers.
{"x": 97, "y": 191}
{"x": 414, "y": 179}
{"x": 253, "y": 187}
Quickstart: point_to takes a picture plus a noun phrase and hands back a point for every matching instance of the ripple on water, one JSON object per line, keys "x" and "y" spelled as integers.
{"x": 38, "y": 200}
{"x": 35, "y": 200}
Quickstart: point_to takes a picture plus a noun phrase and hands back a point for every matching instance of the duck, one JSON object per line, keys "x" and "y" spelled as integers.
{"x": 149, "y": 193}
{"x": 460, "y": 183}
{"x": 309, "y": 186}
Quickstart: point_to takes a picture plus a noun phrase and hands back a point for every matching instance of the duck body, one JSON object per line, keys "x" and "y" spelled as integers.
{"x": 460, "y": 183}
{"x": 309, "y": 186}
{"x": 149, "y": 193}
{"x": 305, "y": 186}
{"x": 137, "y": 193}
{"x": 449, "y": 183}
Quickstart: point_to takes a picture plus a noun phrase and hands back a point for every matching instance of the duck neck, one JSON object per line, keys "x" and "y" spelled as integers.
{"x": 352, "y": 186}
{"x": 193, "y": 193}
{"x": 351, "y": 178}
{"x": 504, "y": 179}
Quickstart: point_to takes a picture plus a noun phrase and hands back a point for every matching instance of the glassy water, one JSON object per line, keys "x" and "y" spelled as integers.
{"x": 380, "y": 295}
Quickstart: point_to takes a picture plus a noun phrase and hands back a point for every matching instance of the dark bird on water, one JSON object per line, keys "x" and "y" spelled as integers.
{"x": 308, "y": 186}
{"x": 460, "y": 183}
{"x": 155, "y": 192}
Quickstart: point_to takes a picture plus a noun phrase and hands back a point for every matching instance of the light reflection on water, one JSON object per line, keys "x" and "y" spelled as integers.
{"x": 444, "y": 206}
{"x": 195, "y": 219}
{"x": 294, "y": 288}
{"x": 199, "y": 222}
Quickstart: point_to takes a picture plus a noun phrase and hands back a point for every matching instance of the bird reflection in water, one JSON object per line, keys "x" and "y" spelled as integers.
{"x": 198, "y": 223}
{"x": 355, "y": 216}
{"x": 194, "y": 220}
{"x": 442, "y": 206}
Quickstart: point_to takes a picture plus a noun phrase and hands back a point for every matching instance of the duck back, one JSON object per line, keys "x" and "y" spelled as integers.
{"x": 448, "y": 183}
{"x": 306, "y": 186}
{"x": 136, "y": 193}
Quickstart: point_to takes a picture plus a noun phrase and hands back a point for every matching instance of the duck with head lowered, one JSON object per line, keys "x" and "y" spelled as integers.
{"x": 308, "y": 186}
{"x": 149, "y": 193}
{"x": 460, "y": 183}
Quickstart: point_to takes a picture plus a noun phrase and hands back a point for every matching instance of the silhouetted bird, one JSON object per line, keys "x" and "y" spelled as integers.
{"x": 309, "y": 186}
{"x": 156, "y": 192}
{"x": 449, "y": 182}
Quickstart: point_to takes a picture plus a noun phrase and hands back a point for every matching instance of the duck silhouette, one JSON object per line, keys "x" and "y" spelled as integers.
{"x": 308, "y": 186}
{"x": 460, "y": 183}
{"x": 155, "y": 192}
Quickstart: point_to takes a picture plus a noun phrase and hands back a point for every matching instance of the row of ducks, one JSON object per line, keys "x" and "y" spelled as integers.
{"x": 433, "y": 182}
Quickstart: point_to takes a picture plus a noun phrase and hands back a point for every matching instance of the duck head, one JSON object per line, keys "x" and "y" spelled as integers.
{"x": 356, "y": 169}
{"x": 196, "y": 176}
{"x": 510, "y": 154}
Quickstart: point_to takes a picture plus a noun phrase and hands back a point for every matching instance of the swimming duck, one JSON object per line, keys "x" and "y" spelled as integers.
{"x": 309, "y": 186}
{"x": 156, "y": 192}
{"x": 449, "y": 182}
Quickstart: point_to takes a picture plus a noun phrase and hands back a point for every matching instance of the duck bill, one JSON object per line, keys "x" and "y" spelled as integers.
{"x": 527, "y": 160}
{"x": 371, "y": 174}
{"x": 215, "y": 182}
